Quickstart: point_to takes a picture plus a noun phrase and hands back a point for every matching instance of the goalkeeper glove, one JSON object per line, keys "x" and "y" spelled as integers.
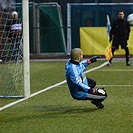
{"x": 94, "y": 59}
{"x": 99, "y": 91}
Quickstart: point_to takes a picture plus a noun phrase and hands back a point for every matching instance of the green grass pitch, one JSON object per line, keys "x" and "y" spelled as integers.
{"x": 54, "y": 111}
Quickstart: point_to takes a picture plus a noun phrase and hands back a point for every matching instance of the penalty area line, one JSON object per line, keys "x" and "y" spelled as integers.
{"x": 47, "y": 88}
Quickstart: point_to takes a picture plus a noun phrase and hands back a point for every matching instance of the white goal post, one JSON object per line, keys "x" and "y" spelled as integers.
{"x": 14, "y": 51}
{"x": 25, "y": 9}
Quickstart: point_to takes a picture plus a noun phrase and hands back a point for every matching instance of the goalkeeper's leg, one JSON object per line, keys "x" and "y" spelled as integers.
{"x": 91, "y": 82}
{"x": 97, "y": 97}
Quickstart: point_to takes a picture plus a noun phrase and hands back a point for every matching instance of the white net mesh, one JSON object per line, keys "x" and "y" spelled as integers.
{"x": 11, "y": 53}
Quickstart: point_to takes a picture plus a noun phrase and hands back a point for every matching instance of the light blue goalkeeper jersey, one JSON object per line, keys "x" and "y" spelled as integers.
{"x": 76, "y": 79}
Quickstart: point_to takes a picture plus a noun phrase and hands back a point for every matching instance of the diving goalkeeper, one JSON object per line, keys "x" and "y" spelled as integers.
{"x": 80, "y": 86}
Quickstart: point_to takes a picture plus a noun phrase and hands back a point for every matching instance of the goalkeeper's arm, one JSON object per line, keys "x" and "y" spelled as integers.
{"x": 93, "y": 59}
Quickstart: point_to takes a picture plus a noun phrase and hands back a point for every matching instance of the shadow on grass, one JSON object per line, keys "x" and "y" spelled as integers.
{"x": 64, "y": 109}
{"x": 57, "y": 111}
{"x": 50, "y": 111}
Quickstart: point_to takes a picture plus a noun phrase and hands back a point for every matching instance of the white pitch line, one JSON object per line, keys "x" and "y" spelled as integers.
{"x": 116, "y": 70}
{"x": 116, "y": 85}
{"x": 108, "y": 86}
{"x": 32, "y": 95}
{"x": 48, "y": 88}
{"x": 102, "y": 65}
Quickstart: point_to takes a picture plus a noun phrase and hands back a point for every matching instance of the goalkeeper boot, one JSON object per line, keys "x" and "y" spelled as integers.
{"x": 97, "y": 104}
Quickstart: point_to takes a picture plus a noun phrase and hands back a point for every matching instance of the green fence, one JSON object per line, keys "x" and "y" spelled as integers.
{"x": 46, "y": 28}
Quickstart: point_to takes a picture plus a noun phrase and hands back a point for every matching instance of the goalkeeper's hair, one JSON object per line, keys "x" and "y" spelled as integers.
{"x": 75, "y": 53}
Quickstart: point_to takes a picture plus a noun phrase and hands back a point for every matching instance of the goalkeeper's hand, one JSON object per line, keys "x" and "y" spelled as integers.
{"x": 99, "y": 91}
{"x": 94, "y": 59}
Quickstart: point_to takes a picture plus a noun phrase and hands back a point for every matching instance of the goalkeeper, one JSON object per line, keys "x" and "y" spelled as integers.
{"x": 81, "y": 87}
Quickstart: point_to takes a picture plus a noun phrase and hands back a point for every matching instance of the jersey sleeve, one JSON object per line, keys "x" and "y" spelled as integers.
{"x": 112, "y": 30}
{"x": 85, "y": 63}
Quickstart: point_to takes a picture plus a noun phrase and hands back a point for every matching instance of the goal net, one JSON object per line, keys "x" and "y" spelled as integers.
{"x": 11, "y": 52}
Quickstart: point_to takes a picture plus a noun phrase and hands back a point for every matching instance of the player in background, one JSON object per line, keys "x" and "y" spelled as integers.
{"x": 14, "y": 34}
{"x": 81, "y": 87}
{"x": 119, "y": 35}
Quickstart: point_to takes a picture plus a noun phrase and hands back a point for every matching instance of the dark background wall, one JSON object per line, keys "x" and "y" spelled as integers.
{"x": 63, "y": 4}
{"x": 75, "y": 27}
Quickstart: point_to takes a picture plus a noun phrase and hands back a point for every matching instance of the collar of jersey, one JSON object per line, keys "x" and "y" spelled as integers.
{"x": 74, "y": 62}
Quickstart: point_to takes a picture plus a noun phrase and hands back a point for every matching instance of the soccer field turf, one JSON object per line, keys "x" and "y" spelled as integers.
{"x": 54, "y": 111}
